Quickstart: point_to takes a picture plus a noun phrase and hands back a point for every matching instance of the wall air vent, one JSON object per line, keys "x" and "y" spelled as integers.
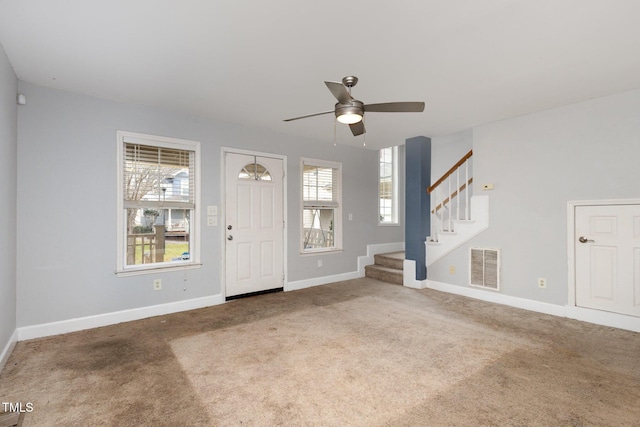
{"x": 484, "y": 268}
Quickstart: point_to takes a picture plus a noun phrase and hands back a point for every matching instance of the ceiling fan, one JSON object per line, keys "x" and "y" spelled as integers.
{"x": 349, "y": 110}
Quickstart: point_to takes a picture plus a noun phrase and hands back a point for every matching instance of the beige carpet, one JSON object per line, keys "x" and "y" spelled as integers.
{"x": 353, "y": 353}
{"x": 359, "y": 362}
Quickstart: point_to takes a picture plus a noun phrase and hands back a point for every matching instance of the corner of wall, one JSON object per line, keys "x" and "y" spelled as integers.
{"x": 8, "y": 201}
{"x": 6, "y": 352}
{"x": 409, "y": 276}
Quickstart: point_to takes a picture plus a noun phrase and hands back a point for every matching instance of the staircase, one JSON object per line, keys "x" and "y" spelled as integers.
{"x": 387, "y": 267}
{"x": 456, "y": 216}
{"x": 462, "y": 230}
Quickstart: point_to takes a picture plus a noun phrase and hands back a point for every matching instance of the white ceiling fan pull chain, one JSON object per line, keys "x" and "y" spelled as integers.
{"x": 364, "y": 135}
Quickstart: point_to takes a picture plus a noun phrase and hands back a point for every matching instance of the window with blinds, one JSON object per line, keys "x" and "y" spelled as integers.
{"x": 157, "y": 176}
{"x": 320, "y": 205}
{"x": 319, "y": 186}
{"x": 157, "y": 198}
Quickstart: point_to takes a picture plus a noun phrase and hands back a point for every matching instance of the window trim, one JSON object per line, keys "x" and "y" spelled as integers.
{"x": 122, "y": 269}
{"x": 395, "y": 220}
{"x": 337, "y": 218}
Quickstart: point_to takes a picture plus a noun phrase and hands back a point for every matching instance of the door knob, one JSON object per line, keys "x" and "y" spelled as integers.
{"x": 229, "y": 227}
{"x": 583, "y": 239}
{"x": 230, "y": 238}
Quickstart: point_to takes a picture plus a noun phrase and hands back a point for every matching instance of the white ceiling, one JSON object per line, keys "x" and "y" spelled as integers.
{"x": 259, "y": 62}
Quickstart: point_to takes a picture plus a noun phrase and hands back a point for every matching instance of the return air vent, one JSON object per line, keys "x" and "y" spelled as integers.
{"x": 484, "y": 266}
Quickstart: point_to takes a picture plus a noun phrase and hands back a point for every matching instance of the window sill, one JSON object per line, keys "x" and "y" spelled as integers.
{"x": 389, "y": 224}
{"x": 321, "y": 252}
{"x": 155, "y": 270}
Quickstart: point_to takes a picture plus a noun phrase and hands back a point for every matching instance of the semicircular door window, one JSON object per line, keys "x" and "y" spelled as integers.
{"x": 255, "y": 171}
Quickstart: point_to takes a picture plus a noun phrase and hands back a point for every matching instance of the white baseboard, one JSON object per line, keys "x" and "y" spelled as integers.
{"x": 6, "y": 352}
{"x": 96, "y": 321}
{"x": 317, "y": 281}
{"x": 604, "y": 318}
{"x": 492, "y": 296}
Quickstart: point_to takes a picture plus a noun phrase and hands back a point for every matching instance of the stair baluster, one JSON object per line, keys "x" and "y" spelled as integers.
{"x": 442, "y": 199}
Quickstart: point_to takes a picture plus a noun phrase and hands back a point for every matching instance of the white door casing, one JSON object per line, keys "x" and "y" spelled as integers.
{"x": 607, "y": 258}
{"x": 254, "y": 228}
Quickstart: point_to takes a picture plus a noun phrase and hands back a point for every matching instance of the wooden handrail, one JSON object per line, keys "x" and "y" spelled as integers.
{"x": 450, "y": 171}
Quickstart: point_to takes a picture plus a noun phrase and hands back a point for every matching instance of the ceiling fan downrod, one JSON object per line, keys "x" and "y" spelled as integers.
{"x": 349, "y": 82}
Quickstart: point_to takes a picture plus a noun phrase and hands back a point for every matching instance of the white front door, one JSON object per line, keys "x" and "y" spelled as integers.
{"x": 254, "y": 226}
{"x": 607, "y": 249}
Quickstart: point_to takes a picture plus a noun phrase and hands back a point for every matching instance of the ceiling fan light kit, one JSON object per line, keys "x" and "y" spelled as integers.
{"x": 350, "y": 111}
{"x": 349, "y": 114}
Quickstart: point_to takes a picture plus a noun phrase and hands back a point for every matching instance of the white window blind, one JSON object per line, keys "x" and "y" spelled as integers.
{"x": 319, "y": 186}
{"x": 150, "y": 177}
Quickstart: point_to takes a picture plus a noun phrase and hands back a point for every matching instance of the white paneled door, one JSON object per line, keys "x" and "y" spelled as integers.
{"x": 254, "y": 229}
{"x": 607, "y": 250}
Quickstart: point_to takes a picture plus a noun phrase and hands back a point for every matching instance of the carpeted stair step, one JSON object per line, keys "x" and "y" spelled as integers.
{"x": 385, "y": 274}
{"x": 391, "y": 260}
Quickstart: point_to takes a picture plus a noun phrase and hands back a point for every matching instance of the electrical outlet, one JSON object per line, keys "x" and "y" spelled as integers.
{"x": 319, "y": 263}
{"x": 542, "y": 282}
{"x": 157, "y": 284}
{"x": 452, "y": 269}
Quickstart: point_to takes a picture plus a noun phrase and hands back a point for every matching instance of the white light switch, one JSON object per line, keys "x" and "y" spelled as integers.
{"x": 212, "y": 210}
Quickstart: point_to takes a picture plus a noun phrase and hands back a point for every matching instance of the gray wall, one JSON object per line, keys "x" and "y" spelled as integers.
{"x": 8, "y": 147}
{"x": 538, "y": 162}
{"x": 447, "y": 150}
{"x": 67, "y": 215}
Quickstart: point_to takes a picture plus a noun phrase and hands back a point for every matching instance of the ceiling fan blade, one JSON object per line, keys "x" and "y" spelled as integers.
{"x": 396, "y": 107}
{"x": 357, "y": 128}
{"x": 339, "y": 91}
{"x": 309, "y": 115}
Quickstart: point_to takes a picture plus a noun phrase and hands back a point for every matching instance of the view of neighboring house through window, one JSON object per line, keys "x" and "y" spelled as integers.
{"x": 388, "y": 186}
{"x": 158, "y": 201}
{"x": 321, "y": 199}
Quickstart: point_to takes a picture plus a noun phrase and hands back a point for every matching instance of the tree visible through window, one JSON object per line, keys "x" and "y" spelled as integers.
{"x": 158, "y": 201}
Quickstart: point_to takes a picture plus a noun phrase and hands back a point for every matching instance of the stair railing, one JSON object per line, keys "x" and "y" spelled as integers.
{"x": 443, "y": 192}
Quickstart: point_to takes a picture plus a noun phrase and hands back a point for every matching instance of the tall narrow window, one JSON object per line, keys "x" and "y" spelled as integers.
{"x": 157, "y": 202}
{"x": 388, "y": 186}
{"x": 321, "y": 200}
